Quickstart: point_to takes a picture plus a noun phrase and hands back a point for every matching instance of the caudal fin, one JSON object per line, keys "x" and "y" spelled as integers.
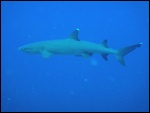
{"x": 123, "y": 51}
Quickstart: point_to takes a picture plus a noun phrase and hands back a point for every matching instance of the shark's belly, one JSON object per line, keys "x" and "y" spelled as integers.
{"x": 75, "y": 48}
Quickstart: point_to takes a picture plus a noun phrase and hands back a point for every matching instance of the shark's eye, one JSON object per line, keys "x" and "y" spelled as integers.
{"x": 23, "y": 49}
{"x": 26, "y": 49}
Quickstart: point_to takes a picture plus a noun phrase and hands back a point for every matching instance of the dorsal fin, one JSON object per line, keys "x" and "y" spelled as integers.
{"x": 74, "y": 35}
{"x": 104, "y": 43}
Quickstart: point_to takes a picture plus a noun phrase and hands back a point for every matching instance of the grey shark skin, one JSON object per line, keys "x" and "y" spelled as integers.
{"x": 73, "y": 46}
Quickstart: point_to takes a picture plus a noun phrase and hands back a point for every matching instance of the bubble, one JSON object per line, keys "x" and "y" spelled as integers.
{"x": 94, "y": 62}
{"x": 71, "y": 92}
{"x": 85, "y": 80}
{"x": 8, "y": 99}
{"x": 112, "y": 79}
{"x": 54, "y": 27}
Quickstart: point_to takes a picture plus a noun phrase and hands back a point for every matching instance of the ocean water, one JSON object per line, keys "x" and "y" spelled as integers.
{"x": 69, "y": 83}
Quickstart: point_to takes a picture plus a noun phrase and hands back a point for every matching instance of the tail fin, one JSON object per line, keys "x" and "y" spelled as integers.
{"x": 122, "y": 52}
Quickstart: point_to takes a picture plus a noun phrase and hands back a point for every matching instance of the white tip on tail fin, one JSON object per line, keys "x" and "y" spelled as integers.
{"x": 141, "y": 43}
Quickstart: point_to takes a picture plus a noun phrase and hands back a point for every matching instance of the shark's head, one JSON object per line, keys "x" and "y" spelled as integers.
{"x": 28, "y": 49}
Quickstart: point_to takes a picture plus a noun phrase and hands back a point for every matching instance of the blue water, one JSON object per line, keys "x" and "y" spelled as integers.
{"x": 70, "y": 83}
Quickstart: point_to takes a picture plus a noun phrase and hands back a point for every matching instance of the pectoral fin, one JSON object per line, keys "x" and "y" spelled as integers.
{"x": 46, "y": 54}
{"x": 86, "y": 55}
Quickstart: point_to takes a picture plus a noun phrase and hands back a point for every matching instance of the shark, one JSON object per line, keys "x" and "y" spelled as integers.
{"x": 72, "y": 45}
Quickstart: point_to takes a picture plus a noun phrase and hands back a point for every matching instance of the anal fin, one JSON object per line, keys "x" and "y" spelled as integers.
{"x": 105, "y": 56}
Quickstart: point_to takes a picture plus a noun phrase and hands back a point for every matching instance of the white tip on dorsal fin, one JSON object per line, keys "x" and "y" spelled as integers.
{"x": 77, "y": 29}
{"x": 74, "y": 35}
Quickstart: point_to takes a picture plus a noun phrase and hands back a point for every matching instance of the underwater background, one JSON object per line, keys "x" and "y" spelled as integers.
{"x": 69, "y": 83}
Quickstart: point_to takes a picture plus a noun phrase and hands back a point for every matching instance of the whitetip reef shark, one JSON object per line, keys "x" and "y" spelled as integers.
{"x": 73, "y": 46}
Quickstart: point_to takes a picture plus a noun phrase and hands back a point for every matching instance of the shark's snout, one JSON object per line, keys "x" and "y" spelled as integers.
{"x": 28, "y": 49}
{"x": 20, "y": 48}
{"x": 23, "y": 48}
